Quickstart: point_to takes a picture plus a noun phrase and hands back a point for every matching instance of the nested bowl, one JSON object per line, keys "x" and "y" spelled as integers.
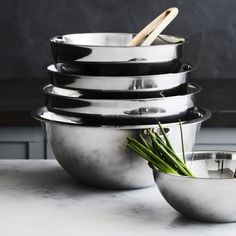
{"x": 111, "y": 47}
{"x": 97, "y": 154}
{"x": 72, "y": 102}
{"x": 119, "y": 68}
{"x": 210, "y": 196}
{"x": 136, "y": 85}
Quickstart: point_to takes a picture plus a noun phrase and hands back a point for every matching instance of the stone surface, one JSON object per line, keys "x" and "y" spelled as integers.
{"x": 39, "y": 198}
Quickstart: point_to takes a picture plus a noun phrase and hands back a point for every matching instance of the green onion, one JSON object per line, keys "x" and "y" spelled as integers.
{"x": 157, "y": 150}
{"x": 182, "y": 142}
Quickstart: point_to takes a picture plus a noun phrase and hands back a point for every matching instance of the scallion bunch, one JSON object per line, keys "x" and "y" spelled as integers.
{"x": 156, "y": 149}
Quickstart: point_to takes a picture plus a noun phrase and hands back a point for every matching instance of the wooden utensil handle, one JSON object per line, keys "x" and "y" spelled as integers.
{"x": 161, "y": 25}
{"x": 156, "y": 27}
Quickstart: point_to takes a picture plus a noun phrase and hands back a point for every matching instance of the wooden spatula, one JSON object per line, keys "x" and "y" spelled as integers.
{"x": 154, "y": 28}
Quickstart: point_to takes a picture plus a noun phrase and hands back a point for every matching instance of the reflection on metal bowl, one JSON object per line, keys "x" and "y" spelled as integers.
{"x": 97, "y": 155}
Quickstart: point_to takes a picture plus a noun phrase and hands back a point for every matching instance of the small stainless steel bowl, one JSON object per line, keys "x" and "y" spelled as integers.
{"x": 72, "y": 102}
{"x": 210, "y": 196}
{"x": 135, "y": 85}
{"x": 98, "y": 155}
{"x": 111, "y": 47}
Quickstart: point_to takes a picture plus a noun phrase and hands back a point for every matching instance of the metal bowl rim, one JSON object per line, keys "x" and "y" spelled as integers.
{"x": 197, "y": 89}
{"x": 189, "y": 70}
{"x": 75, "y": 62}
{"x": 205, "y": 115}
{"x": 53, "y": 40}
{"x": 196, "y": 178}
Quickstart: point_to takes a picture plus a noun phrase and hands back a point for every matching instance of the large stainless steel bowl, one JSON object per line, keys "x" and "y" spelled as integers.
{"x": 98, "y": 155}
{"x": 137, "y": 84}
{"x": 111, "y": 47}
{"x": 73, "y": 102}
{"x": 208, "y": 197}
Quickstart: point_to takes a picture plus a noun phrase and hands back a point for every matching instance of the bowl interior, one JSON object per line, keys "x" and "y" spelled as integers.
{"x": 216, "y": 165}
{"x": 110, "y": 39}
{"x": 209, "y": 165}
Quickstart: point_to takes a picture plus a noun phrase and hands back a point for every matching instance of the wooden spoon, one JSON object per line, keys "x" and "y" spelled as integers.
{"x": 154, "y": 28}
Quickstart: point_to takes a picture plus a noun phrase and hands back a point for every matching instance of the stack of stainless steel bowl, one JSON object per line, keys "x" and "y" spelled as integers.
{"x": 102, "y": 91}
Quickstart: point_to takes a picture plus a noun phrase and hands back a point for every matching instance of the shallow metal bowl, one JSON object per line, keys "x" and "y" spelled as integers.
{"x": 111, "y": 47}
{"x": 98, "y": 155}
{"x": 135, "y": 85}
{"x": 72, "y": 102}
{"x": 208, "y": 197}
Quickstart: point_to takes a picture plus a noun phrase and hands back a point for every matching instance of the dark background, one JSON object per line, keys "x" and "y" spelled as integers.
{"x": 26, "y": 26}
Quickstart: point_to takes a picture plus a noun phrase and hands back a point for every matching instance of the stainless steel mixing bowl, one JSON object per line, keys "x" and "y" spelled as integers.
{"x": 208, "y": 197}
{"x": 111, "y": 47}
{"x": 73, "y": 102}
{"x": 137, "y": 84}
{"x": 98, "y": 155}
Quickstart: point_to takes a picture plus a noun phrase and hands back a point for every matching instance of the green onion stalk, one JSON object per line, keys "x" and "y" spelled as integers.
{"x": 157, "y": 150}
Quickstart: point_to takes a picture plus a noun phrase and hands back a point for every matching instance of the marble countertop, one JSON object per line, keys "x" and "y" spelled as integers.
{"x": 38, "y": 198}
